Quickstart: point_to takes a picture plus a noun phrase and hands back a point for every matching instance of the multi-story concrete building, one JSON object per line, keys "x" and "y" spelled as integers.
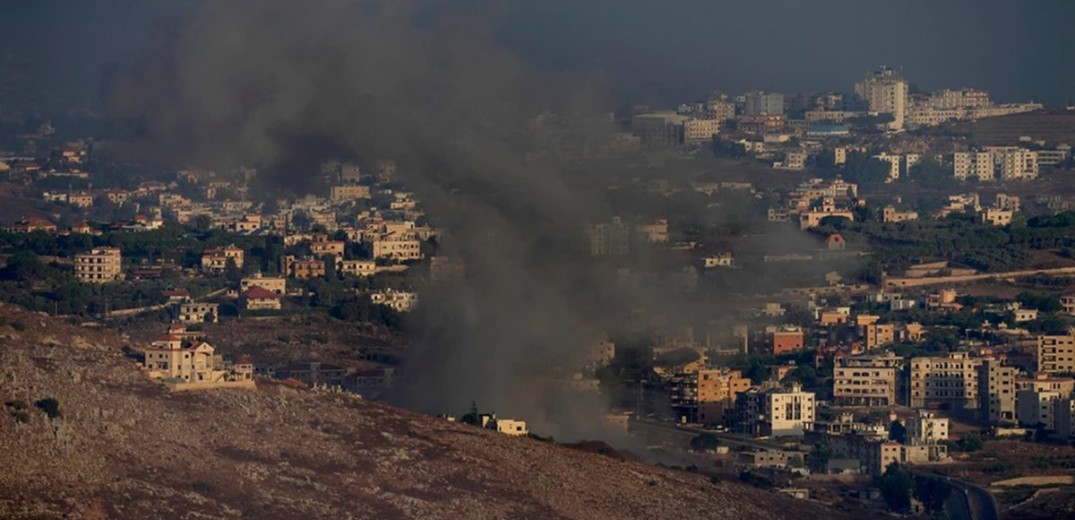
{"x": 926, "y": 428}
{"x": 1046, "y": 383}
{"x": 1067, "y": 302}
{"x": 707, "y": 395}
{"x": 950, "y": 381}
{"x": 358, "y": 267}
{"x": 979, "y": 165}
{"x": 1056, "y": 354}
{"x": 169, "y": 359}
{"x": 866, "y": 380}
{"x": 347, "y": 192}
{"x": 99, "y": 265}
{"x": 1013, "y": 162}
{"x": 398, "y": 248}
{"x": 216, "y": 259}
{"x": 700, "y": 130}
{"x": 786, "y": 339}
{"x": 996, "y": 391}
{"x": 302, "y": 268}
{"x": 789, "y": 411}
{"x": 886, "y": 93}
{"x": 1035, "y": 407}
{"x": 760, "y": 103}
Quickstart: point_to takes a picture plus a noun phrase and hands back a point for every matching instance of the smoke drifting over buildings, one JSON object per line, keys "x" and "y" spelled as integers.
{"x": 420, "y": 82}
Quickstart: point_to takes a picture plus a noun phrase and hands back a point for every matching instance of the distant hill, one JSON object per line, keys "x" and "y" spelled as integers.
{"x": 1051, "y": 126}
{"x": 125, "y": 448}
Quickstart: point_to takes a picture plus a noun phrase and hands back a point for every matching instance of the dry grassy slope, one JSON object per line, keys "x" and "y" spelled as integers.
{"x": 126, "y": 449}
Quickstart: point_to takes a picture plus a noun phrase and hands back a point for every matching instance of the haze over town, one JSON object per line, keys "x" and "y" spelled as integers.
{"x": 820, "y": 253}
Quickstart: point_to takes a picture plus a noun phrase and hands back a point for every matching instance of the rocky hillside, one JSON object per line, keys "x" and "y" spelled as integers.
{"x": 122, "y": 447}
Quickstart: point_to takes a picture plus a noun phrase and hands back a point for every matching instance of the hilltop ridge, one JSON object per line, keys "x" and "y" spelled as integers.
{"x": 126, "y": 448}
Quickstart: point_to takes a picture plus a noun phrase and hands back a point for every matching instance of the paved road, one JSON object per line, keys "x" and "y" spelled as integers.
{"x": 982, "y": 503}
{"x": 969, "y": 501}
{"x": 684, "y": 434}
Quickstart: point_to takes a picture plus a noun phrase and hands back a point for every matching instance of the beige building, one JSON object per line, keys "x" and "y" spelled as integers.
{"x": 996, "y": 390}
{"x": 973, "y": 164}
{"x": 276, "y": 284}
{"x": 1013, "y": 162}
{"x": 891, "y": 214}
{"x": 997, "y": 217}
{"x": 216, "y": 259}
{"x": 321, "y": 246}
{"x": 391, "y": 246}
{"x": 1067, "y": 301}
{"x": 1056, "y": 353}
{"x": 950, "y": 381}
{"x": 199, "y": 312}
{"x": 866, "y": 380}
{"x": 349, "y": 192}
{"x": 1045, "y": 383}
{"x": 168, "y": 358}
{"x": 511, "y": 427}
{"x": 99, "y": 265}
{"x": 259, "y": 299}
{"x": 700, "y": 130}
{"x": 399, "y": 301}
{"x": 706, "y": 395}
{"x": 358, "y": 267}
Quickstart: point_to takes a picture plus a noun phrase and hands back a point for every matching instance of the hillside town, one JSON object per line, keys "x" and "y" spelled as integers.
{"x": 871, "y": 283}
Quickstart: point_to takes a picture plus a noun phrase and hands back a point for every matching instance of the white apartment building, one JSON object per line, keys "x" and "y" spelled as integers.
{"x": 1013, "y": 162}
{"x": 789, "y": 411}
{"x": 886, "y": 93}
{"x": 973, "y": 164}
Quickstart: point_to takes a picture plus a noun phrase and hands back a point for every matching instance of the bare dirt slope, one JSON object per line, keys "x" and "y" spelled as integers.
{"x": 125, "y": 448}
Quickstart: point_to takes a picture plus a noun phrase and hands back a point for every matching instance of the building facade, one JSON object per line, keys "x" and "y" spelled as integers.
{"x": 99, "y": 265}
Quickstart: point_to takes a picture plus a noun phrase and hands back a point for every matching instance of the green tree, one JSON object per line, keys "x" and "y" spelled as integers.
{"x": 897, "y": 432}
{"x": 50, "y": 406}
{"x": 896, "y": 486}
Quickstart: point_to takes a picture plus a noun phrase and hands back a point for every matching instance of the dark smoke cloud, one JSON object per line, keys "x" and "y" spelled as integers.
{"x": 424, "y": 83}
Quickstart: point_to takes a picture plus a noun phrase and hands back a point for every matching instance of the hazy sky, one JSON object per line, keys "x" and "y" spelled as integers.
{"x": 663, "y": 51}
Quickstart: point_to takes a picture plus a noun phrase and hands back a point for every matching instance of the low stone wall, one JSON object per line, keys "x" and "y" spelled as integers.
{"x": 182, "y": 387}
{"x": 1045, "y": 480}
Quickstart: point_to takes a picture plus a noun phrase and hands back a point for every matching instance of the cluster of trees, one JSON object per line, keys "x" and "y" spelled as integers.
{"x": 960, "y": 238}
{"x": 898, "y": 486}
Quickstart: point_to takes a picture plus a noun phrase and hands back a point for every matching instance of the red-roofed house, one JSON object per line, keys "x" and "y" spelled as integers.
{"x": 31, "y": 224}
{"x": 259, "y": 298}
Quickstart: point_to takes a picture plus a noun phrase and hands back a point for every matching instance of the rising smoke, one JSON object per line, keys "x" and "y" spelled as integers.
{"x": 424, "y": 83}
